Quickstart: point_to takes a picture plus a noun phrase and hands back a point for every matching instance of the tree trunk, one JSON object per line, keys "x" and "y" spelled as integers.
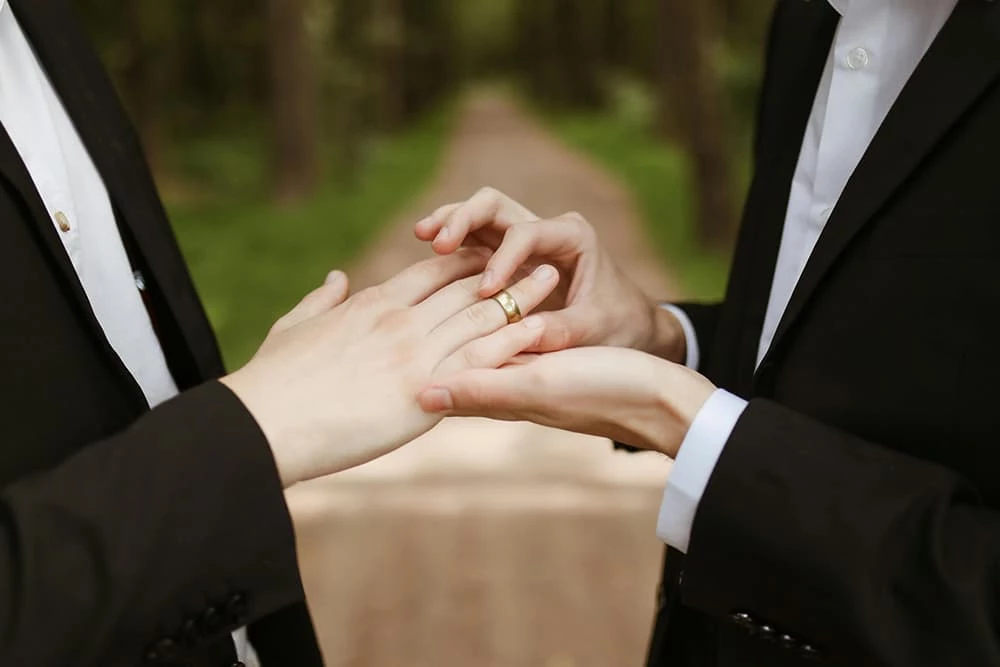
{"x": 692, "y": 106}
{"x": 390, "y": 36}
{"x": 143, "y": 82}
{"x": 294, "y": 102}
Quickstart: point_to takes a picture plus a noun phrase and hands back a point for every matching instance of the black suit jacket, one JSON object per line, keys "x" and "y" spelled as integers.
{"x": 127, "y": 536}
{"x": 854, "y": 516}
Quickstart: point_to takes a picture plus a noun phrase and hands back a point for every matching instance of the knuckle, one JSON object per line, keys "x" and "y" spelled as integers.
{"x": 472, "y": 356}
{"x": 575, "y": 216}
{"x": 403, "y": 358}
{"x": 469, "y": 287}
{"x": 488, "y": 192}
{"x": 520, "y": 233}
{"x": 397, "y": 320}
{"x": 369, "y": 297}
{"x": 283, "y": 323}
{"x": 443, "y": 211}
{"x": 560, "y": 334}
{"x": 429, "y": 269}
{"x": 481, "y": 314}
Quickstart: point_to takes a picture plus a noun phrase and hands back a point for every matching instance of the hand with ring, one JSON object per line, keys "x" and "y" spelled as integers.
{"x": 336, "y": 382}
{"x": 596, "y": 303}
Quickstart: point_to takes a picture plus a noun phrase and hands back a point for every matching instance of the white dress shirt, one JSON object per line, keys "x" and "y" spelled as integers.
{"x": 75, "y": 196}
{"x": 877, "y": 47}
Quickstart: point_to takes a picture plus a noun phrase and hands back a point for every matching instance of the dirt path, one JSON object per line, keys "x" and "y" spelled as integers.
{"x": 485, "y": 544}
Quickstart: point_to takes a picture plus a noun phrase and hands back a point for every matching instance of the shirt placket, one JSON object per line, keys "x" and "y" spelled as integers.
{"x": 42, "y": 156}
{"x": 851, "y": 114}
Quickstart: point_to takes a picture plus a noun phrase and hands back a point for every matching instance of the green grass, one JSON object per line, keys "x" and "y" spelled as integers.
{"x": 253, "y": 261}
{"x": 656, "y": 175}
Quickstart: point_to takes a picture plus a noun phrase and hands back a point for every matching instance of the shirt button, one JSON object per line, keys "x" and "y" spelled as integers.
{"x": 858, "y": 58}
{"x": 62, "y": 221}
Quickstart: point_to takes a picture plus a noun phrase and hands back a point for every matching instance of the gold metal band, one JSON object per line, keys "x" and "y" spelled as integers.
{"x": 509, "y": 305}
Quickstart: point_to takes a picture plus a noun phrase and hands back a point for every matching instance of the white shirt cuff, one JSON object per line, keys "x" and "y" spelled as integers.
{"x": 699, "y": 453}
{"x": 690, "y": 338}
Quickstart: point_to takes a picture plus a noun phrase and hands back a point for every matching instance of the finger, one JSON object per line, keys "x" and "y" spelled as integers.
{"x": 563, "y": 329}
{"x": 449, "y": 300}
{"x": 548, "y": 238}
{"x": 454, "y": 298}
{"x": 418, "y": 282}
{"x": 427, "y": 229}
{"x": 499, "y": 393}
{"x": 524, "y": 358}
{"x": 485, "y": 316}
{"x": 487, "y": 237}
{"x": 488, "y": 207}
{"x": 497, "y": 349}
{"x": 331, "y": 294}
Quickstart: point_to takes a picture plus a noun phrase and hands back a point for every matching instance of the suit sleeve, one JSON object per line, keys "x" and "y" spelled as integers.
{"x": 705, "y": 319}
{"x": 164, "y": 537}
{"x": 846, "y": 547}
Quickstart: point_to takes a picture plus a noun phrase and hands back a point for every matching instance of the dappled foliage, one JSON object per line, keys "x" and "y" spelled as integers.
{"x": 322, "y": 79}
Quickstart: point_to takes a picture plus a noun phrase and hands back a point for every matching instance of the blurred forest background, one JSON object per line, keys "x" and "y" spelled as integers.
{"x": 284, "y": 132}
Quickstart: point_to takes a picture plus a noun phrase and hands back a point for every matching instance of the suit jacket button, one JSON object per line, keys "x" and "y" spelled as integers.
{"x": 236, "y": 607}
{"x": 787, "y": 641}
{"x": 189, "y": 630}
{"x": 661, "y": 598}
{"x": 766, "y": 632}
{"x": 210, "y": 622}
{"x": 743, "y": 619}
{"x": 809, "y": 651}
{"x": 238, "y": 664}
{"x": 162, "y": 651}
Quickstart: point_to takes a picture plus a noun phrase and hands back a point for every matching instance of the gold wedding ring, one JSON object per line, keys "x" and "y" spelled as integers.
{"x": 509, "y": 305}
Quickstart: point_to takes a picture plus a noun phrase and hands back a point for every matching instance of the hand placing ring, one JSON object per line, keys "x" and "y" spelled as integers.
{"x": 509, "y": 305}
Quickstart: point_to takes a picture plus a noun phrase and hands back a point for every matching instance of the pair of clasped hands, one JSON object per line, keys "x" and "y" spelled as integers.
{"x": 343, "y": 379}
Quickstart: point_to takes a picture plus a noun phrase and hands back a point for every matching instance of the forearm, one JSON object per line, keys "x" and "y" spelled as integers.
{"x": 843, "y": 543}
{"x": 112, "y": 551}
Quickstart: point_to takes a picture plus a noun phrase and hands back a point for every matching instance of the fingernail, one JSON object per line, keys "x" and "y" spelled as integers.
{"x": 424, "y": 221}
{"x": 438, "y": 400}
{"x": 534, "y": 322}
{"x": 334, "y": 278}
{"x": 544, "y": 272}
{"x": 487, "y": 280}
{"x": 442, "y": 235}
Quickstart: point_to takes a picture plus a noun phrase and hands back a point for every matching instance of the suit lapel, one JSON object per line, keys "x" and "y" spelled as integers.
{"x": 92, "y": 102}
{"x": 12, "y": 168}
{"x": 14, "y": 171}
{"x": 802, "y": 34}
{"x": 957, "y": 70}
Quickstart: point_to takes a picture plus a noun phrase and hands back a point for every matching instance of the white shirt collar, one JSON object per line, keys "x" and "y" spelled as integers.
{"x": 839, "y": 5}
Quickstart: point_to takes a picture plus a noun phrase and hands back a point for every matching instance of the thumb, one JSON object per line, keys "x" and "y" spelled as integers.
{"x": 494, "y": 393}
{"x": 562, "y": 329}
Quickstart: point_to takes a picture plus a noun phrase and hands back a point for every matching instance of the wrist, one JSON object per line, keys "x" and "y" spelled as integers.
{"x": 666, "y": 337}
{"x": 678, "y": 396}
{"x": 248, "y": 390}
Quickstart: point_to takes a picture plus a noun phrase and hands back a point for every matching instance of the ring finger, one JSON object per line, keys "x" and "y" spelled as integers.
{"x": 498, "y": 349}
{"x": 486, "y": 316}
